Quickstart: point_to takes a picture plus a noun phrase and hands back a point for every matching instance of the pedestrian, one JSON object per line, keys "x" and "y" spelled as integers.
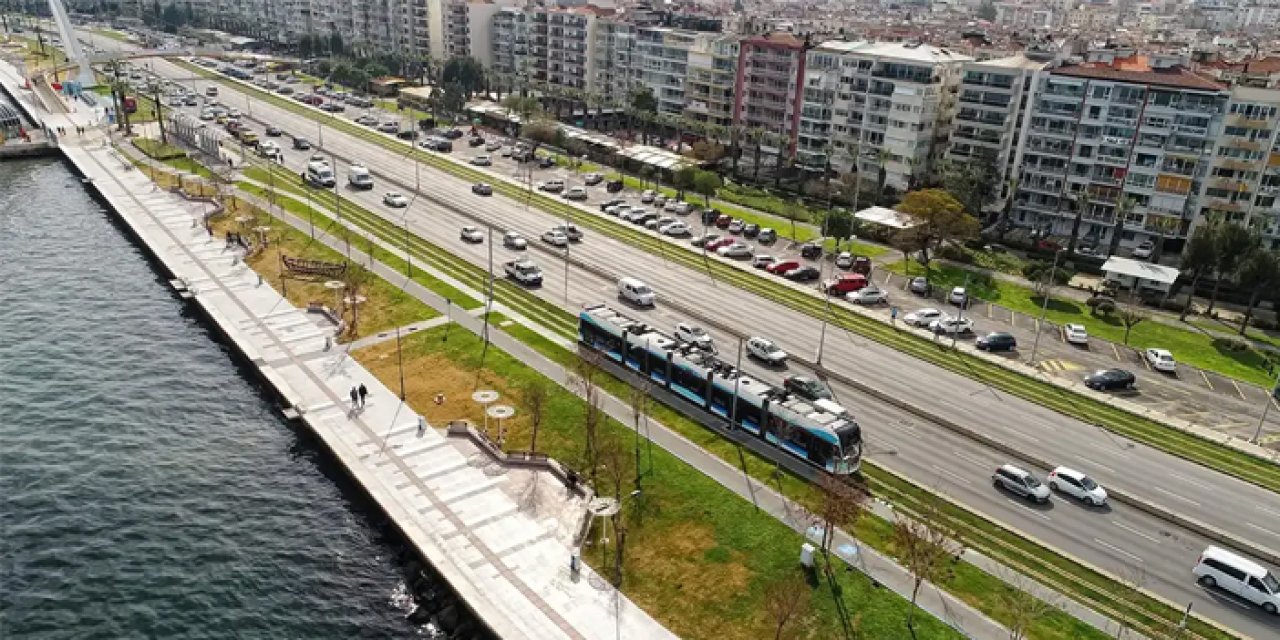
{"x": 364, "y": 393}
{"x": 355, "y": 398}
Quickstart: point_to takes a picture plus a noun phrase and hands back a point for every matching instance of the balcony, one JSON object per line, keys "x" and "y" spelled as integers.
{"x": 1114, "y": 161}
{"x": 1240, "y": 120}
{"x": 1243, "y": 143}
{"x": 1230, "y": 184}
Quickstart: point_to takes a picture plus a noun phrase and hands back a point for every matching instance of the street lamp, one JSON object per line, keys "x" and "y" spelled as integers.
{"x": 1044, "y": 308}
{"x": 1266, "y": 407}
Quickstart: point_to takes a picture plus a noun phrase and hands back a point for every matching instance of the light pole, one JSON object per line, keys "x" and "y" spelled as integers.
{"x": 1044, "y": 308}
{"x": 1266, "y": 407}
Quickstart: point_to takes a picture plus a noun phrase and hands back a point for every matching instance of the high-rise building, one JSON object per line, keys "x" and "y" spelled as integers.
{"x": 767, "y": 94}
{"x": 1243, "y": 180}
{"x": 468, "y": 28}
{"x": 710, "y": 94}
{"x": 660, "y": 61}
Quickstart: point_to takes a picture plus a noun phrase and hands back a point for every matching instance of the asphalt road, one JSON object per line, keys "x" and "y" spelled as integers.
{"x": 1121, "y": 539}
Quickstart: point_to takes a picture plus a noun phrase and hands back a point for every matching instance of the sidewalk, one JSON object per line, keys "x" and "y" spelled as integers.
{"x": 512, "y": 569}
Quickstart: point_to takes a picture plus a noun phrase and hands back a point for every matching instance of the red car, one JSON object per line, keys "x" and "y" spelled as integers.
{"x": 314, "y": 101}
{"x": 783, "y": 267}
{"x": 723, "y": 221}
{"x": 721, "y": 242}
{"x": 845, "y": 283}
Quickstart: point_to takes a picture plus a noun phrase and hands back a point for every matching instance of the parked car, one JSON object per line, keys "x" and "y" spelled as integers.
{"x": 395, "y": 199}
{"x": 704, "y": 239}
{"x": 844, "y": 283}
{"x": 694, "y": 335}
{"x": 674, "y": 229}
{"x": 618, "y": 210}
{"x": 611, "y": 202}
{"x": 766, "y": 351}
{"x": 951, "y": 326}
{"x": 715, "y": 245}
{"x": 1020, "y": 482}
{"x": 552, "y": 186}
{"x": 658, "y": 223}
{"x": 868, "y": 295}
{"x": 806, "y": 387}
{"x": 997, "y": 341}
{"x": 723, "y": 221}
{"x": 782, "y": 267}
{"x": 811, "y": 250}
{"x": 471, "y": 234}
{"x": 575, "y": 193}
{"x": 475, "y": 141}
{"x": 1108, "y": 379}
{"x": 751, "y": 230}
{"x": 736, "y": 226}
{"x": 1161, "y": 360}
{"x": 592, "y": 179}
{"x": 803, "y": 274}
{"x": 407, "y": 134}
{"x": 735, "y": 250}
{"x": 844, "y": 260}
{"x": 482, "y": 161}
{"x": 762, "y": 261}
{"x": 1078, "y": 486}
{"x": 958, "y": 296}
{"x": 493, "y": 146}
{"x": 1075, "y": 334}
{"x": 513, "y": 240}
{"x": 482, "y": 189}
{"x": 546, "y": 162}
{"x": 1144, "y": 250}
{"x": 922, "y": 317}
{"x": 767, "y": 236}
{"x": 920, "y": 285}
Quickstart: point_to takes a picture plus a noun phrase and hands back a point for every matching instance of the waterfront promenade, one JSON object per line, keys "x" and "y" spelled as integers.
{"x": 512, "y": 568}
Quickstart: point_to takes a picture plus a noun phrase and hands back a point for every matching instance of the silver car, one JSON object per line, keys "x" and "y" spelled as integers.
{"x": 1021, "y": 482}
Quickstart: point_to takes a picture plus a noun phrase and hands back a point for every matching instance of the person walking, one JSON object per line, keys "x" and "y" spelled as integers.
{"x": 355, "y": 398}
{"x": 364, "y": 393}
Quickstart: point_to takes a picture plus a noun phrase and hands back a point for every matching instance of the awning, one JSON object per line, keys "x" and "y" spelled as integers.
{"x": 1140, "y": 269}
{"x": 884, "y": 216}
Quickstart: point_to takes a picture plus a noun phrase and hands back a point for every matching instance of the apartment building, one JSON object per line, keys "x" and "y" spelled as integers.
{"x": 767, "y": 95}
{"x": 878, "y": 104}
{"x": 612, "y": 44}
{"x": 1119, "y": 128}
{"x": 710, "y": 83}
{"x": 660, "y": 62}
{"x": 1243, "y": 178}
{"x": 468, "y": 28}
{"x": 993, "y": 103}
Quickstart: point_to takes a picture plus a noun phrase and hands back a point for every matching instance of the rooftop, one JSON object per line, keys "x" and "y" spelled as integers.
{"x": 897, "y": 50}
{"x": 1018, "y": 61}
{"x": 1138, "y": 70}
{"x": 1140, "y": 269}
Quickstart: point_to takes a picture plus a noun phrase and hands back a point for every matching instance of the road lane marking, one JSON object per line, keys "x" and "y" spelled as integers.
{"x": 1190, "y": 481}
{"x": 951, "y": 474}
{"x": 1172, "y": 494}
{"x": 970, "y": 459}
{"x": 1206, "y": 379}
{"x": 1266, "y": 510}
{"x": 1029, "y": 509}
{"x": 1262, "y": 529}
{"x": 1117, "y": 549}
{"x": 1135, "y": 531}
{"x": 1095, "y": 465}
{"x": 1238, "y": 391}
{"x": 1024, "y": 434}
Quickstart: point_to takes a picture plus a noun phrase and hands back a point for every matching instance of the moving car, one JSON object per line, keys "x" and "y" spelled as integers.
{"x": 472, "y": 234}
{"x": 482, "y": 189}
{"x": 273, "y": 131}
{"x": 1238, "y": 575}
{"x": 556, "y": 238}
{"x": 636, "y": 292}
{"x": 301, "y": 144}
{"x": 694, "y": 335}
{"x": 523, "y": 271}
{"x": 570, "y": 231}
{"x": 1161, "y": 360}
{"x": 270, "y": 150}
{"x": 997, "y": 341}
{"x": 1078, "y": 486}
{"x": 922, "y": 317}
{"x": 766, "y": 351}
{"x": 513, "y": 240}
{"x": 395, "y": 199}
{"x": 1075, "y": 334}
{"x": 1020, "y": 482}
{"x": 951, "y": 326}
{"x": 1108, "y": 379}
{"x": 868, "y": 295}
{"x": 807, "y": 388}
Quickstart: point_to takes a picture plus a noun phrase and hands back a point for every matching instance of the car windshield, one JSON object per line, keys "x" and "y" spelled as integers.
{"x": 642, "y": 289}
{"x": 1088, "y": 483}
{"x": 1270, "y": 582}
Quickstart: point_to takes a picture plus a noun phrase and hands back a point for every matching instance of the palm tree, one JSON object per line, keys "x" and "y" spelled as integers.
{"x": 757, "y": 136}
{"x": 1232, "y": 243}
{"x": 1260, "y": 272}
{"x": 1198, "y": 258}
{"x": 784, "y": 149}
{"x": 1083, "y": 203}
{"x": 1163, "y": 226}
{"x": 1123, "y": 207}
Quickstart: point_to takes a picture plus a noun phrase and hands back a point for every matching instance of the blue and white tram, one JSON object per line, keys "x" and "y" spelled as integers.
{"x": 821, "y": 432}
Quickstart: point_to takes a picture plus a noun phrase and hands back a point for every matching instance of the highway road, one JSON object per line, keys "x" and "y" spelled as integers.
{"x": 1115, "y": 538}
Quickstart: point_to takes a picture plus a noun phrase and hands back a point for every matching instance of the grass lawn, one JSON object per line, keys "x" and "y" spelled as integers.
{"x": 1272, "y": 338}
{"x": 113, "y": 34}
{"x": 159, "y": 150}
{"x": 1190, "y": 346}
{"x": 386, "y": 306}
{"x": 698, "y": 558}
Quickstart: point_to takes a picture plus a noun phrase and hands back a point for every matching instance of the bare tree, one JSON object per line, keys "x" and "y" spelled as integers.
{"x": 1132, "y": 578}
{"x": 1131, "y": 317}
{"x": 788, "y": 602}
{"x": 613, "y": 459}
{"x": 926, "y": 546}
{"x": 536, "y": 395}
{"x": 586, "y": 377}
{"x": 841, "y": 505}
{"x": 1022, "y": 609}
{"x": 639, "y": 401}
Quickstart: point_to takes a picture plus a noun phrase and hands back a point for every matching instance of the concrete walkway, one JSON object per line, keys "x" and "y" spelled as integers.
{"x": 511, "y": 569}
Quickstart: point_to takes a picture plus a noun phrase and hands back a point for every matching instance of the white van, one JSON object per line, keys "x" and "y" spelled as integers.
{"x": 636, "y": 292}
{"x": 1240, "y": 576}
{"x": 319, "y": 175}
{"x": 358, "y": 176}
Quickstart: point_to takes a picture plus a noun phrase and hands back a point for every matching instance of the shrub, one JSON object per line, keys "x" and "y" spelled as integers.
{"x": 955, "y": 253}
{"x": 1233, "y": 344}
{"x": 1102, "y": 305}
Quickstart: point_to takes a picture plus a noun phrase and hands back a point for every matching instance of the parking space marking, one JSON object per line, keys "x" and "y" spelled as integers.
{"x": 1146, "y": 363}
{"x": 1135, "y": 531}
{"x": 1013, "y": 319}
{"x": 1118, "y": 550}
{"x": 1095, "y": 465}
{"x": 1174, "y": 495}
{"x": 1238, "y": 390}
{"x": 1116, "y": 351}
{"x": 950, "y": 474}
{"x": 989, "y": 307}
{"x": 1062, "y": 334}
{"x": 1206, "y": 379}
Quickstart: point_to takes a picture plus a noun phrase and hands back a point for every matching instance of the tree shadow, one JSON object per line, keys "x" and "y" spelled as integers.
{"x": 1059, "y": 305}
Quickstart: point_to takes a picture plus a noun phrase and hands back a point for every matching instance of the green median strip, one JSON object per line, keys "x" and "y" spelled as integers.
{"x": 1145, "y": 430}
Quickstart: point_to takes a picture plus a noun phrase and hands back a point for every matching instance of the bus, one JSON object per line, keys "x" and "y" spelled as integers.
{"x": 820, "y": 433}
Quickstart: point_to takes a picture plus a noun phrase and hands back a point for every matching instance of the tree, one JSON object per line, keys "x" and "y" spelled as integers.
{"x": 1260, "y": 272}
{"x": 524, "y": 106}
{"x": 1164, "y": 225}
{"x": 453, "y": 98}
{"x": 1083, "y": 204}
{"x": 939, "y": 218}
{"x": 541, "y": 131}
{"x": 839, "y": 224}
{"x": 706, "y": 184}
{"x": 1123, "y": 207}
{"x": 925, "y": 547}
{"x": 586, "y": 378}
{"x": 536, "y": 395}
{"x": 708, "y": 151}
{"x": 465, "y": 72}
{"x": 335, "y": 43}
{"x": 684, "y": 178}
{"x": 1131, "y": 317}
{"x": 840, "y": 504}
{"x": 788, "y": 602}
{"x": 987, "y": 10}
{"x": 973, "y": 183}
{"x": 1231, "y": 243}
{"x": 1039, "y": 273}
{"x": 1197, "y": 260}
{"x": 376, "y": 69}
{"x": 1020, "y": 607}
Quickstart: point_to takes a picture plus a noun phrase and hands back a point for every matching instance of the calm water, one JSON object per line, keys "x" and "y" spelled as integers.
{"x": 148, "y": 488}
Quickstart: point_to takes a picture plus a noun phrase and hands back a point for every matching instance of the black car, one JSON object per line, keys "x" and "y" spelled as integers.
{"x": 811, "y": 250}
{"x": 302, "y": 144}
{"x": 482, "y": 189}
{"x": 274, "y": 132}
{"x": 475, "y": 141}
{"x": 452, "y": 134}
{"x": 610, "y": 203}
{"x": 709, "y": 216}
{"x": 806, "y": 387}
{"x": 998, "y": 341}
{"x": 751, "y": 230}
{"x": 1108, "y": 379}
{"x": 614, "y": 186}
{"x": 803, "y": 274}
{"x": 332, "y": 107}
{"x": 407, "y": 134}
{"x": 546, "y": 162}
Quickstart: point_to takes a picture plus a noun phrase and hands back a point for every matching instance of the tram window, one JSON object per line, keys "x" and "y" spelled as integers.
{"x": 721, "y": 398}
{"x": 748, "y": 413}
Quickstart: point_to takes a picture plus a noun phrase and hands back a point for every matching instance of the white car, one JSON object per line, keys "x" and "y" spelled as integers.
{"x": 1161, "y": 360}
{"x": 1144, "y": 250}
{"x": 1075, "y": 334}
{"x": 395, "y": 199}
{"x": 471, "y": 234}
{"x": 556, "y": 238}
{"x": 1078, "y": 486}
{"x": 694, "y": 335}
{"x": 575, "y": 193}
{"x": 949, "y": 325}
{"x": 670, "y": 206}
{"x": 617, "y": 209}
{"x": 958, "y": 296}
{"x": 922, "y": 317}
{"x": 844, "y": 260}
{"x": 270, "y": 150}
{"x": 683, "y": 208}
{"x": 513, "y": 240}
{"x": 736, "y": 250}
{"x": 648, "y": 196}
{"x": 552, "y": 186}
{"x": 766, "y": 351}
{"x": 763, "y": 260}
{"x": 593, "y": 178}
{"x": 675, "y": 229}
{"x": 482, "y": 161}
{"x": 868, "y": 295}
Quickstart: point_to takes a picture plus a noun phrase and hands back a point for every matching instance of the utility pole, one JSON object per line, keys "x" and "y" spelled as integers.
{"x": 1266, "y": 407}
{"x": 488, "y": 307}
{"x": 1044, "y": 309}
